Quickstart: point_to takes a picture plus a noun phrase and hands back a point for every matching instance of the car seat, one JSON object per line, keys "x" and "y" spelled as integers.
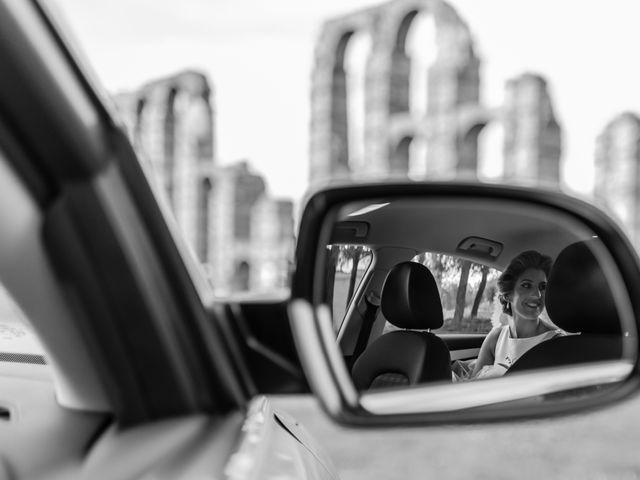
{"x": 578, "y": 300}
{"x": 410, "y": 301}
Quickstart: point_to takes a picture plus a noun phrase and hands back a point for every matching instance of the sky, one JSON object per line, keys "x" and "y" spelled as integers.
{"x": 259, "y": 56}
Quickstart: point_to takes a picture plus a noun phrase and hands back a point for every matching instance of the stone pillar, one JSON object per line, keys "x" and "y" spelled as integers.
{"x": 390, "y": 123}
{"x": 236, "y": 189}
{"x": 272, "y": 243}
{"x": 533, "y": 142}
{"x": 617, "y": 172}
{"x": 170, "y": 123}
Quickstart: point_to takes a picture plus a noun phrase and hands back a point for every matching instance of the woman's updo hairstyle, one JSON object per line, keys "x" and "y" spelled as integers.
{"x": 517, "y": 266}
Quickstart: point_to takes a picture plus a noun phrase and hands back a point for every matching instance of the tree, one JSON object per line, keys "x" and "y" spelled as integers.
{"x": 480, "y": 292}
{"x": 461, "y": 294}
{"x": 441, "y": 266}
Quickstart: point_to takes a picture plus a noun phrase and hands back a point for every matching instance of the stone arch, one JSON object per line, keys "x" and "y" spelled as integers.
{"x": 473, "y": 122}
{"x": 339, "y": 114}
{"x": 400, "y": 71}
{"x": 341, "y": 49}
{"x": 206, "y": 147}
{"x": 355, "y": 57}
{"x": 551, "y": 150}
{"x": 403, "y": 30}
{"x": 169, "y": 141}
{"x": 617, "y": 157}
{"x": 330, "y": 132}
{"x": 400, "y": 156}
{"x": 532, "y": 135}
{"x": 177, "y": 135}
{"x": 421, "y": 48}
{"x": 242, "y": 276}
{"x": 405, "y": 61}
{"x": 138, "y": 123}
{"x": 202, "y": 239}
{"x": 468, "y": 151}
{"x": 453, "y": 81}
{"x": 452, "y": 86}
{"x": 418, "y": 154}
{"x": 491, "y": 150}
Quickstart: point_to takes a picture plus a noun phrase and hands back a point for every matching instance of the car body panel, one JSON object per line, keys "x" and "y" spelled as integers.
{"x": 32, "y": 429}
{"x": 274, "y": 445}
{"x": 593, "y": 444}
{"x": 257, "y": 443}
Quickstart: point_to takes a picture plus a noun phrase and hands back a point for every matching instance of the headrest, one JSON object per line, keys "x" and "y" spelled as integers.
{"x": 410, "y": 298}
{"x": 578, "y": 296}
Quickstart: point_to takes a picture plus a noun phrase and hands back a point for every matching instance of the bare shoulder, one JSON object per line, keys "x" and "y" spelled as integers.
{"x": 490, "y": 341}
{"x": 492, "y": 337}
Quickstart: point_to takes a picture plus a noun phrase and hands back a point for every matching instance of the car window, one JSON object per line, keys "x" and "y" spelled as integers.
{"x": 346, "y": 267}
{"x": 18, "y": 342}
{"x": 468, "y": 292}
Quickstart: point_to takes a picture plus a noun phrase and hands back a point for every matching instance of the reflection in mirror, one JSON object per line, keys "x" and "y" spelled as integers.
{"x": 441, "y": 290}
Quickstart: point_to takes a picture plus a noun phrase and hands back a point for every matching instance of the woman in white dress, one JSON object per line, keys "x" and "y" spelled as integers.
{"x": 522, "y": 289}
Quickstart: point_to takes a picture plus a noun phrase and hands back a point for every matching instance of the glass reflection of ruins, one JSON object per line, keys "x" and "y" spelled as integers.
{"x": 396, "y": 93}
{"x": 242, "y": 236}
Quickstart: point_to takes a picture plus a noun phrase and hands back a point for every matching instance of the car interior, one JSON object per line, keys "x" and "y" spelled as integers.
{"x": 587, "y": 307}
{"x": 390, "y": 332}
{"x": 410, "y": 301}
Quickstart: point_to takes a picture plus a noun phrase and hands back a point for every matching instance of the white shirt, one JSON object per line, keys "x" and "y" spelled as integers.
{"x": 509, "y": 349}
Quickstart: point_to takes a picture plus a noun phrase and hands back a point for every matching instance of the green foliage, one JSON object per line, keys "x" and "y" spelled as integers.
{"x": 353, "y": 255}
{"x": 448, "y": 272}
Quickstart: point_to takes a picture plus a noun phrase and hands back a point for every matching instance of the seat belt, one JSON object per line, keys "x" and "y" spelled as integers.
{"x": 372, "y": 304}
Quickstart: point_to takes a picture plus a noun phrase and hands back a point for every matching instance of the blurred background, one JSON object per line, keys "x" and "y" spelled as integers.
{"x": 238, "y": 108}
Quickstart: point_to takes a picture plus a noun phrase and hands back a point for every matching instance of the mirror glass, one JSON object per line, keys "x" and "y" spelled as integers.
{"x": 432, "y": 291}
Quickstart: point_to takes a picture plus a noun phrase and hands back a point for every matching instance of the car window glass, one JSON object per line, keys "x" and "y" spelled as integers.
{"x": 18, "y": 342}
{"x": 346, "y": 267}
{"x": 477, "y": 310}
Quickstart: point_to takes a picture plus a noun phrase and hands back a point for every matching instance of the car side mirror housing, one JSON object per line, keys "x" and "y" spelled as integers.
{"x": 343, "y": 305}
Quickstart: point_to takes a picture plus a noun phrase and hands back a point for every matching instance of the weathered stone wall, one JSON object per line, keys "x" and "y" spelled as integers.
{"x": 617, "y": 172}
{"x": 171, "y": 124}
{"x": 235, "y": 193}
{"x": 454, "y": 117}
{"x": 532, "y": 135}
{"x": 272, "y": 235}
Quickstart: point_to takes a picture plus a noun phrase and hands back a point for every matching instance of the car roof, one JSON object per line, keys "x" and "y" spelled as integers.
{"x": 488, "y": 231}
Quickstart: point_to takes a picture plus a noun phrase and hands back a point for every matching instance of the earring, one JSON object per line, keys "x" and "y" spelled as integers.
{"x": 506, "y": 305}
{"x": 507, "y": 309}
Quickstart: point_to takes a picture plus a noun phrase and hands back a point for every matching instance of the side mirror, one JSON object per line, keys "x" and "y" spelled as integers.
{"x": 398, "y": 287}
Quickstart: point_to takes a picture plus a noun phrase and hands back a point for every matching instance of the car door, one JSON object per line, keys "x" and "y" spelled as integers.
{"x": 139, "y": 376}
